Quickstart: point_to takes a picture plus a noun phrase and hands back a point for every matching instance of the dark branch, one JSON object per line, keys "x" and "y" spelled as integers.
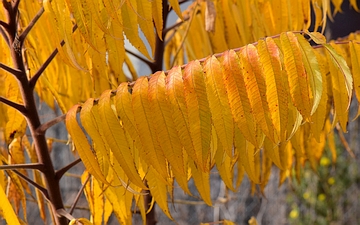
{"x": 59, "y": 173}
{"x": 43, "y": 127}
{"x": 79, "y": 195}
{"x": 139, "y": 57}
{"x": 33, "y": 183}
{"x": 15, "y": 72}
{"x": 38, "y": 73}
{"x": 30, "y": 25}
{"x": 174, "y": 26}
{"x": 30, "y": 166}
{"x": 3, "y": 24}
{"x": 14, "y": 105}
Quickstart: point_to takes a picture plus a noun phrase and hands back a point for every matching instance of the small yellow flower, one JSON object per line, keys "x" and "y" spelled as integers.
{"x": 325, "y": 161}
{"x": 321, "y": 197}
{"x": 294, "y": 214}
{"x": 331, "y": 181}
{"x": 306, "y": 195}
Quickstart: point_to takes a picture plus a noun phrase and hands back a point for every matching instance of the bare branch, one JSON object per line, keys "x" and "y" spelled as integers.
{"x": 30, "y": 166}
{"x": 43, "y": 127}
{"x": 78, "y": 195}
{"x": 59, "y": 173}
{"x": 14, "y": 105}
{"x": 3, "y": 24}
{"x": 30, "y": 25}
{"x": 15, "y": 72}
{"x": 140, "y": 58}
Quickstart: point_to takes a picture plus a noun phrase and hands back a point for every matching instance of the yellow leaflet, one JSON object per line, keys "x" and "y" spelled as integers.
{"x": 306, "y": 14}
{"x": 108, "y": 210}
{"x": 82, "y": 145}
{"x": 232, "y": 35}
{"x": 165, "y": 132}
{"x": 130, "y": 22}
{"x": 131, "y": 68}
{"x": 7, "y": 209}
{"x": 157, "y": 15}
{"x": 337, "y": 59}
{"x": 341, "y": 98}
{"x": 143, "y": 117}
{"x": 88, "y": 116}
{"x": 238, "y": 98}
{"x": 98, "y": 212}
{"x": 223, "y": 164}
{"x": 176, "y": 7}
{"x": 81, "y": 221}
{"x": 121, "y": 201}
{"x": 353, "y": 3}
{"x": 321, "y": 113}
{"x": 114, "y": 136}
{"x": 198, "y": 112}
{"x": 218, "y": 40}
{"x": 331, "y": 140}
{"x": 312, "y": 69}
{"x": 15, "y": 192}
{"x": 337, "y": 6}
{"x": 37, "y": 176}
{"x": 202, "y": 182}
{"x": 146, "y": 21}
{"x": 312, "y": 148}
{"x": 276, "y": 94}
{"x": 355, "y": 66}
{"x": 219, "y": 103}
{"x": 158, "y": 191}
{"x": 272, "y": 151}
{"x": 256, "y": 89}
{"x": 124, "y": 111}
{"x": 115, "y": 48}
{"x": 15, "y": 121}
{"x": 266, "y": 165}
{"x": 297, "y": 76}
{"x": 241, "y": 22}
{"x": 239, "y": 142}
{"x": 83, "y": 18}
{"x": 176, "y": 98}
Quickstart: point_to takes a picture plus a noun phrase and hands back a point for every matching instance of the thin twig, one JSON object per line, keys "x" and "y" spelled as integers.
{"x": 33, "y": 183}
{"x": 79, "y": 195}
{"x": 38, "y": 73}
{"x": 4, "y": 24}
{"x": 344, "y": 142}
{"x": 4, "y": 35}
{"x": 15, "y": 72}
{"x": 14, "y": 105}
{"x": 30, "y": 25}
{"x": 43, "y": 128}
{"x": 149, "y": 63}
{"x": 59, "y": 173}
{"x": 28, "y": 166}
